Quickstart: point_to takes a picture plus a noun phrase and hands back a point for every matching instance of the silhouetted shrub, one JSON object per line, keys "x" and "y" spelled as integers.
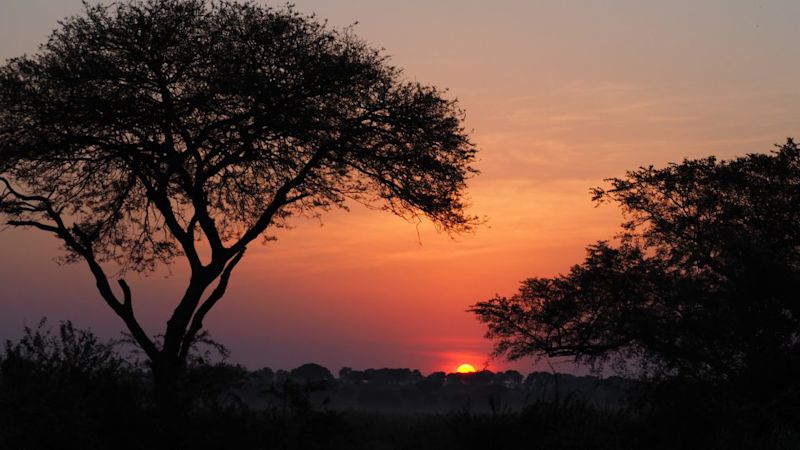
{"x": 66, "y": 389}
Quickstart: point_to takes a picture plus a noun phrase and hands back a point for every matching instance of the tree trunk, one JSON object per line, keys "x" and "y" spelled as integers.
{"x": 168, "y": 389}
{"x": 170, "y": 365}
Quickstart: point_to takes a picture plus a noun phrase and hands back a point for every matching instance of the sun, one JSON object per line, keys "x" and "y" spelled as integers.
{"x": 465, "y": 368}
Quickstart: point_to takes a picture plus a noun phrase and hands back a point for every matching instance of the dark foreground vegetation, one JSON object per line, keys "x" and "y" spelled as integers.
{"x": 66, "y": 389}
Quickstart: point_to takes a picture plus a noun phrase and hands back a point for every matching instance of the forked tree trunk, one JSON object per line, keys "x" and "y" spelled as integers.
{"x": 169, "y": 364}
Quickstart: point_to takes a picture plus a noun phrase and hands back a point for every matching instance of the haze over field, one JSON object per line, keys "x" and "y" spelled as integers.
{"x": 559, "y": 97}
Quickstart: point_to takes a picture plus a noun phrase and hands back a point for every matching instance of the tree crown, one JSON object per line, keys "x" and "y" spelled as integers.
{"x": 701, "y": 283}
{"x": 139, "y": 128}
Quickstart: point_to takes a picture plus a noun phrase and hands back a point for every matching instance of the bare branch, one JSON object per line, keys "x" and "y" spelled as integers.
{"x": 31, "y": 223}
{"x": 278, "y": 201}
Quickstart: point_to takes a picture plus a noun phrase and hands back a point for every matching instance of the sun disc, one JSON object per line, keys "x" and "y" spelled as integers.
{"x": 465, "y": 368}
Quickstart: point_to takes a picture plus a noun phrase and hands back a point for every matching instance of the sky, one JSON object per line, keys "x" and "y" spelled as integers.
{"x": 558, "y": 96}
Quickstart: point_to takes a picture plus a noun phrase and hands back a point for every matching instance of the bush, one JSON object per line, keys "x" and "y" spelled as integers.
{"x": 65, "y": 389}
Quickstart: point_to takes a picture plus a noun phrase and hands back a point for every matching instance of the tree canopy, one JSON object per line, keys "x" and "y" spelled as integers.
{"x": 152, "y": 129}
{"x": 702, "y": 283}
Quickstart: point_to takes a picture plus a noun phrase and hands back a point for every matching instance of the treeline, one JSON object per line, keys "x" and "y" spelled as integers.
{"x": 407, "y": 390}
{"x": 66, "y": 389}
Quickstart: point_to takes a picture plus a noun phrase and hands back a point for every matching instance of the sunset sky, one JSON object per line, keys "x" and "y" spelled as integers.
{"x": 559, "y": 95}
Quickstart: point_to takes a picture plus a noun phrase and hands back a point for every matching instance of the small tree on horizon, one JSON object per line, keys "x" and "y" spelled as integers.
{"x": 156, "y": 129}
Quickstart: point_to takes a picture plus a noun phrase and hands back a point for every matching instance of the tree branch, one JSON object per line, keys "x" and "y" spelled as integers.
{"x": 162, "y": 203}
{"x": 19, "y": 195}
{"x": 133, "y": 325}
{"x": 33, "y": 223}
{"x": 213, "y": 298}
{"x": 125, "y": 309}
{"x": 278, "y": 200}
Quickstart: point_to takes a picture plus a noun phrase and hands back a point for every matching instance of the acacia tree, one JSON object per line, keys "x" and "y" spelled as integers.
{"x": 701, "y": 286}
{"x": 157, "y": 129}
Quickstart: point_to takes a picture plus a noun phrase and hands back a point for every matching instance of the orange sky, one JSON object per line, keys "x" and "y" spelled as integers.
{"x": 559, "y": 97}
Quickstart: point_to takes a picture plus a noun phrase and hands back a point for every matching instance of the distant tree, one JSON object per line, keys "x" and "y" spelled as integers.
{"x": 281, "y": 376}
{"x": 264, "y": 375}
{"x": 153, "y": 129}
{"x": 391, "y": 376}
{"x": 509, "y": 378}
{"x": 702, "y": 285}
{"x": 458, "y": 379}
{"x": 345, "y": 373}
{"x": 311, "y": 373}
{"x": 480, "y": 378}
{"x": 539, "y": 379}
{"x": 433, "y": 381}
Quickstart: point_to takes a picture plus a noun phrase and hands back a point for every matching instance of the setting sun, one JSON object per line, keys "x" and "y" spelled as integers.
{"x": 465, "y": 368}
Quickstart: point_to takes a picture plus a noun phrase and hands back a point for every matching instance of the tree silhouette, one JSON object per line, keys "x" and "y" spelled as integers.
{"x": 149, "y": 130}
{"x": 702, "y": 285}
{"x": 311, "y": 373}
